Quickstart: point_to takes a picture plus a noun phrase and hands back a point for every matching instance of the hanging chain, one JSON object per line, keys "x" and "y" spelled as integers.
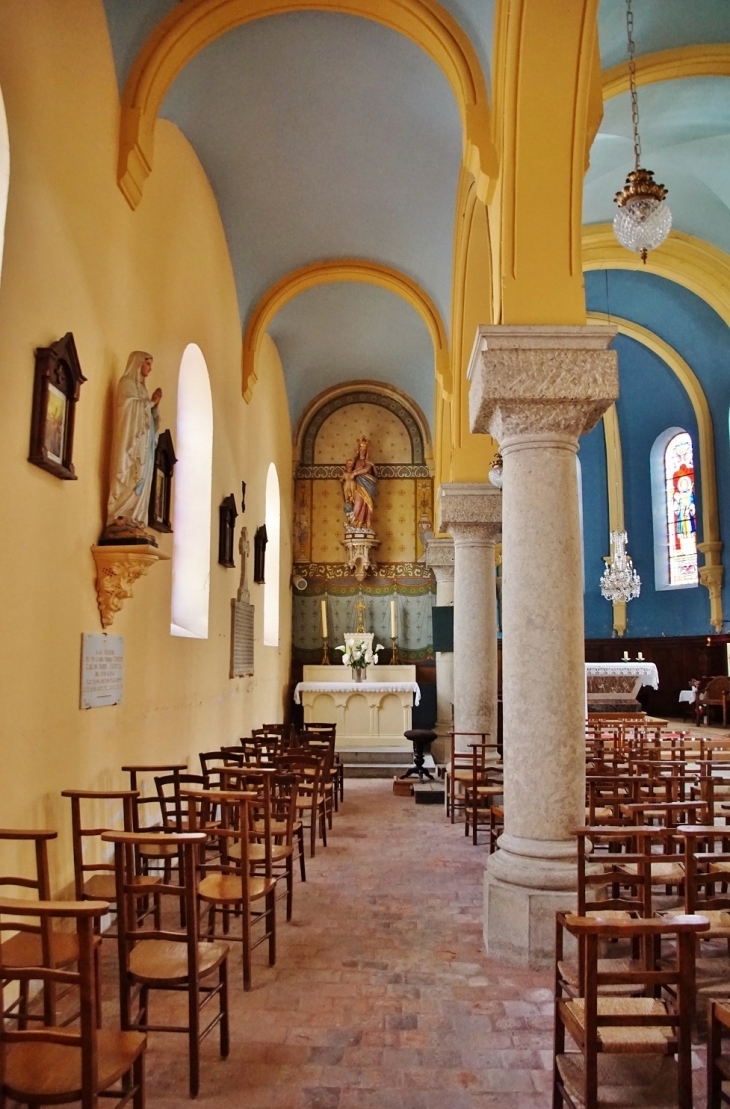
{"x": 632, "y": 81}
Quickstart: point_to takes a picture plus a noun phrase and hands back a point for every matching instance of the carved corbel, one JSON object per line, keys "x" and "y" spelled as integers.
{"x": 711, "y": 578}
{"x": 117, "y": 569}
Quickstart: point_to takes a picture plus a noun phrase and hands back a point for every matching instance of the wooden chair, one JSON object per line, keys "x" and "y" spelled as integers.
{"x": 626, "y": 1046}
{"x": 322, "y": 744}
{"x": 212, "y": 762}
{"x": 283, "y": 805}
{"x": 487, "y": 783}
{"x": 146, "y": 813}
{"x": 25, "y": 949}
{"x": 311, "y": 798}
{"x": 496, "y": 826}
{"x": 164, "y": 958}
{"x": 48, "y": 1066}
{"x": 713, "y": 693}
{"x": 718, "y": 1065}
{"x": 95, "y": 880}
{"x": 227, "y": 883}
{"x": 236, "y": 779}
{"x": 322, "y": 730}
{"x": 459, "y": 772}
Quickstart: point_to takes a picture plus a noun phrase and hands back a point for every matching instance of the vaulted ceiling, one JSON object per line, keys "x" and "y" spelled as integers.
{"x": 329, "y": 136}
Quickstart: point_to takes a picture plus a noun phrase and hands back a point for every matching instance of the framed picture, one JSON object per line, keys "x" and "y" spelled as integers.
{"x": 158, "y": 516}
{"x": 226, "y": 528}
{"x": 56, "y": 388}
{"x": 260, "y": 540}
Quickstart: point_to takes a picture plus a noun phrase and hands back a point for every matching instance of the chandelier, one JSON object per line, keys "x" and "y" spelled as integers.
{"x": 620, "y": 582}
{"x": 643, "y": 219}
{"x": 495, "y": 471}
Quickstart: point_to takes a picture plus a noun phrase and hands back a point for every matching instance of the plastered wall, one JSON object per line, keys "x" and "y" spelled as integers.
{"x": 77, "y": 259}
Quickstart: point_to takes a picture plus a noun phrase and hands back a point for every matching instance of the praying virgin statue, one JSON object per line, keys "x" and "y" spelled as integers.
{"x": 136, "y": 424}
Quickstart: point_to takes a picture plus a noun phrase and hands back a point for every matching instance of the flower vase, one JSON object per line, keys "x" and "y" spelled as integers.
{"x": 357, "y": 673}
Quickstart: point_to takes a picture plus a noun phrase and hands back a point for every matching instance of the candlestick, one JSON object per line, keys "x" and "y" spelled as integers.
{"x": 325, "y": 652}
{"x": 626, "y": 656}
{"x": 639, "y": 657}
{"x": 394, "y": 652}
{"x": 393, "y": 621}
{"x": 324, "y": 619}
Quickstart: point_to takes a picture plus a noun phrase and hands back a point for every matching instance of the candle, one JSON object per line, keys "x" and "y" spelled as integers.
{"x": 324, "y": 619}
{"x": 626, "y": 656}
{"x": 639, "y": 657}
{"x": 393, "y": 624}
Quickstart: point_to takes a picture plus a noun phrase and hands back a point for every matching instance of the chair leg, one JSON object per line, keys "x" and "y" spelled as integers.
{"x": 225, "y": 1038}
{"x": 323, "y": 823}
{"x": 138, "y": 1079}
{"x": 312, "y": 832}
{"x": 194, "y": 1038}
{"x": 246, "y": 946}
{"x": 271, "y": 914}
{"x": 302, "y": 864}
{"x": 289, "y": 886}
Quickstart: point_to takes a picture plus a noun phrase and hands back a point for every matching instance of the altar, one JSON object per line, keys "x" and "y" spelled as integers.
{"x": 613, "y": 686}
{"x": 372, "y": 713}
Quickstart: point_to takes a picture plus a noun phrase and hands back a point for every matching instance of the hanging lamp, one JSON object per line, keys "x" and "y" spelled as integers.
{"x": 619, "y": 581}
{"x": 643, "y": 219}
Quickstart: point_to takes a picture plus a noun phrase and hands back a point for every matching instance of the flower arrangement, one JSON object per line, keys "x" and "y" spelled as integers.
{"x": 358, "y": 654}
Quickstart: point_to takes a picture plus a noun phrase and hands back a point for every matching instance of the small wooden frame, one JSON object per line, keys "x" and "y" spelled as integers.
{"x": 56, "y": 388}
{"x": 227, "y": 514}
{"x": 259, "y": 555}
{"x": 161, "y": 493}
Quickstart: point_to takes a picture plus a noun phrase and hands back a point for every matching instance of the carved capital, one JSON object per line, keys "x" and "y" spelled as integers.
{"x": 471, "y": 512}
{"x": 440, "y": 558}
{"x": 546, "y": 380}
{"x": 711, "y": 577}
{"x": 359, "y": 554}
{"x": 117, "y": 569}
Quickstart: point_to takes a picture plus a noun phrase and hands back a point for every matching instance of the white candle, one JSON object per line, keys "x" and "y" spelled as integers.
{"x": 626, "y": 656}
{"x": 324, "y": 619}
{"x": 640, "y": 657}
{"x": 393, "y": 624}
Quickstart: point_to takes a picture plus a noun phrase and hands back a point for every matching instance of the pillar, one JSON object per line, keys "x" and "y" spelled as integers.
{"x": 440, "y": 558}
{"x": 536, "y": 390}
{"x": 471, "y": 513}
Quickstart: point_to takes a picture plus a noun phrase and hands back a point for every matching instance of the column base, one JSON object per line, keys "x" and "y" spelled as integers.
{"x": 519, "y": 922}
{"x": 441, "y": 746}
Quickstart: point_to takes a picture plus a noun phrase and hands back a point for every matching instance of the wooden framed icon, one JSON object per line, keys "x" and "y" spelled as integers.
{"x": 56, "y": 389}
{"x": 159, "y": 515}
{"x": 227, "y": 514}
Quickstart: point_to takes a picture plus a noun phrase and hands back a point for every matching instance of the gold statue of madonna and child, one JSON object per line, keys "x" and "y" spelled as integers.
{"x": 359, "y": 486}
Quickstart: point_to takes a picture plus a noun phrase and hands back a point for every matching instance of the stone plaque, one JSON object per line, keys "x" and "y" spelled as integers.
{"x": 102, "y": 670}
{"x": 241, "y": 639}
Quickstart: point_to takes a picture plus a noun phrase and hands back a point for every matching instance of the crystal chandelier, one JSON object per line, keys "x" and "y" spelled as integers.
{"x": 643, "y": 219}
{"x": 495, "y": 471}
{"x": 620, "y": 582}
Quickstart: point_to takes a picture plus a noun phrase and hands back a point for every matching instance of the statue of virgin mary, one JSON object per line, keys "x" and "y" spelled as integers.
{"x": 136, "y": 424}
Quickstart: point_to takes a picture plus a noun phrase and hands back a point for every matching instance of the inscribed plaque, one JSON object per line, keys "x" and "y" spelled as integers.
{"x": 102, "y": 670}
{"x": 241, "y": 639}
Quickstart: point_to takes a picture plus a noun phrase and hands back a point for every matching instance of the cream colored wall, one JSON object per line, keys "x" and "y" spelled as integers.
{"x": 77, "y": 258}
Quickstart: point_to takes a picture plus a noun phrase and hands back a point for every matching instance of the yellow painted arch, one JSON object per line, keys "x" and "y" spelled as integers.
{"x": 193, "y": 24}
{"x": 710, "y": 60}
{"x": 700, "y": 267}
{"x": 328, "y": 273}
{"x": 711, "y": 546}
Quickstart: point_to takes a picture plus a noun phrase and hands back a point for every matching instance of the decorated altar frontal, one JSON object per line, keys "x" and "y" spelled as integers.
{"x": 613, "y": 686}
{"x": 373, "y": 713}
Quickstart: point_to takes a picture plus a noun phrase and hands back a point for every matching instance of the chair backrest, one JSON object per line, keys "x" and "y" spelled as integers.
{"x": 212, "y": 762}
{"x": 81, "y": 833}
{"x": 232, "y": 830}
{"x": 172, "y": 805}
{"x": 147, "y": 805}
{"x": 618, "y": 866}
{"x": 15, "y": 915}
{"x": 707, "y": 862}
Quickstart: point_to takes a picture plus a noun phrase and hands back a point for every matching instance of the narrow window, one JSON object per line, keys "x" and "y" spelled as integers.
{"x": 679, "y": 478}
{"x": 4, "y": 174}
{"x": 192, "y": 518}
{"x": 271, "y": 587}
{"x": 674, "y": 510}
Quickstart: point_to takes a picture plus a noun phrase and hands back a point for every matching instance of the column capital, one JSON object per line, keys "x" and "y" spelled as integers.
{"x": 470, "y": 512}
{"x": 440, "y": 558}
{"x": 541, "y": 380}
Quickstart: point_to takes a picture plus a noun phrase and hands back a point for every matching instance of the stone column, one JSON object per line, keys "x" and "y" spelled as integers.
{"x": 440, "y": 558}
{"x": 472, "y": 514}
{"x": 536, "y": 390}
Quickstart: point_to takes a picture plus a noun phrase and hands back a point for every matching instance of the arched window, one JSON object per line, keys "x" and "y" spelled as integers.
{"x": 4, "y": 174}
{"x": 674, "y": 510}
{"x": 191, "y": 523}
{"x": 273, "y": 530}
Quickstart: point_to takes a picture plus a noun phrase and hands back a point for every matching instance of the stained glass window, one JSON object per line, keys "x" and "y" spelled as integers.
{"x": 679, "y": 477}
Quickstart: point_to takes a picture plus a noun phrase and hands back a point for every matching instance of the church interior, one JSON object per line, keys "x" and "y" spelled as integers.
{"x": 325, "y": 353}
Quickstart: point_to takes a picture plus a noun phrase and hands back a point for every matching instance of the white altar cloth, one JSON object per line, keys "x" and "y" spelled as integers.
{"x": 618, "y": 681}
{"x": 647, "y": 671}
{"x": 358, "y": 687}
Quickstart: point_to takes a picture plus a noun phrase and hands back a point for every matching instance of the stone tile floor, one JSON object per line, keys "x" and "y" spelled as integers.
{"x": 382, "y": 996}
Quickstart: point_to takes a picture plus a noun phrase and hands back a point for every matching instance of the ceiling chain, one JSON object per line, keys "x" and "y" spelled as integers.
{"x": 632, "y": 81}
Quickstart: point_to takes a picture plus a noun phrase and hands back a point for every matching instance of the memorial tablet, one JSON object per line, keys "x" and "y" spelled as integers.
{"x": 102, "y": 670}
{"x": 242, "y": 639}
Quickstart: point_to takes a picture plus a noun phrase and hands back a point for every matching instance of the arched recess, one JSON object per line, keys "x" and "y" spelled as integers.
{"x": 273, "y": 558}
{"x": 328, "y": 273}
{"x": 711, "y": 546}
{"x": 4, "y": 175}
{"x": 366, "y": 392}
{"x": 615, "y": 489}
{"x": 193, "y": 478}
{"x": 193, "y": 24}
{"x": 691, "y": 262}
{"x": 707, "y": 60}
